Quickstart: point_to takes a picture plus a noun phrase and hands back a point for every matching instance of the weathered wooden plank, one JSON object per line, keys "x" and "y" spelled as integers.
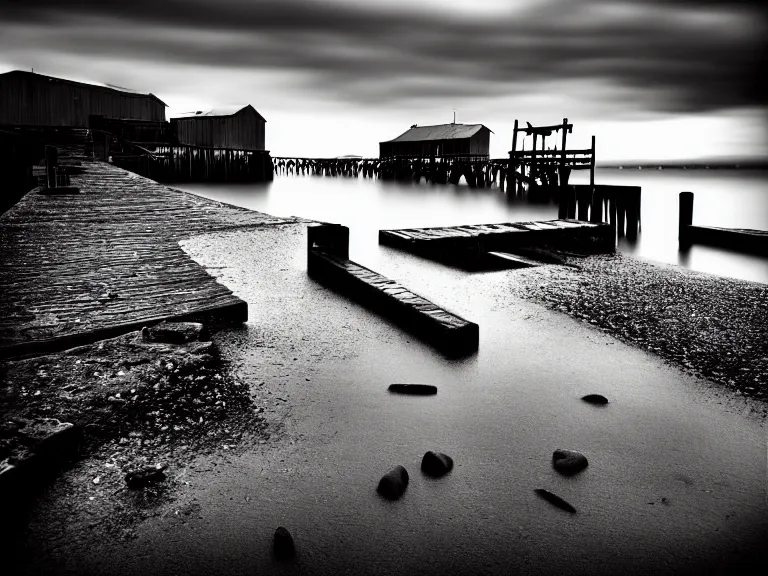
{"x": 61, "y": 256}
{"x": 449, "y": 333}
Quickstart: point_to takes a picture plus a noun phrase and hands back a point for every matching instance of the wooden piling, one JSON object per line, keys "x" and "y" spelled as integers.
{"x": 512, "y": 175}
{"x": 612, "y": 219}
{"x": 51, "y": 159}
{"x": 592, "y": 165}
{"x": 567, "y": 206}
{"x": 583, "y": 198}
{"x": 621, "y": 207}
{"x": 686, "y": 219}
{"x": 596, "y": 209}
{"x": 633, "y": 216}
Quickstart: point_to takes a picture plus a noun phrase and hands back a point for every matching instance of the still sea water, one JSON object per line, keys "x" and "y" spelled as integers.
{"x": 726, "y": 198}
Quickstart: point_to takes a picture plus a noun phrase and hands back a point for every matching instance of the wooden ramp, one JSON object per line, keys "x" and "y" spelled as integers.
{"x": 469, "y": 246}
{"x": 327, "y": 262}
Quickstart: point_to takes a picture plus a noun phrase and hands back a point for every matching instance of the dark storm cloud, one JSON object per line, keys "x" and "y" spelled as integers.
{"x": 677, "y": 54}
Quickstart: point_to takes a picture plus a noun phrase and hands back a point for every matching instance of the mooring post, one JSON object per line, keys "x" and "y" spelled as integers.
{"x": 51, "y": 159}
{"x": 332, "y": 238}
{"x": 686, "y": 219}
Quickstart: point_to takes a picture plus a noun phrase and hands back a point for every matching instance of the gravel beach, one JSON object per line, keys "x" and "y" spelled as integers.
{"x": 715, "y": 327}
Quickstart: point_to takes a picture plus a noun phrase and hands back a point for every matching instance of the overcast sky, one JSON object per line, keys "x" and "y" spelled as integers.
{"x": 651, "y": 78}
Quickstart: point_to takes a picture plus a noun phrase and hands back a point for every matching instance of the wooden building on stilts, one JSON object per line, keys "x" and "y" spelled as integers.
{"x": 443, "y": 140}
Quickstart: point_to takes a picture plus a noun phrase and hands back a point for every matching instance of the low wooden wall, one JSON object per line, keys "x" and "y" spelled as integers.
{"x": 327, "y": 262}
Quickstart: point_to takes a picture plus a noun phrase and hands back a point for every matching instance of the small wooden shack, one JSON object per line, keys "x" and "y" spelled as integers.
{"x": 234, "y": 128}
{"x": 29, "y": 99}
{"x": 440, "y": 140}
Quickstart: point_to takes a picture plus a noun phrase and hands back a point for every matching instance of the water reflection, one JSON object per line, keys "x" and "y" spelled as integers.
{"x": 723, "y": 198}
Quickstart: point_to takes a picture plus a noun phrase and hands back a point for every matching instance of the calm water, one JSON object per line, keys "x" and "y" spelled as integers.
{"x": 722, "y": 198}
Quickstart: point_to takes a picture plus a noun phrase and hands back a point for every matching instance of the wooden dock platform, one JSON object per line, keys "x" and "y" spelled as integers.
{"x": 468, "y": 246}
{"x": 76, "y": 268}
{"x": 328, "y": 263}
{"x": 738, "y": 239}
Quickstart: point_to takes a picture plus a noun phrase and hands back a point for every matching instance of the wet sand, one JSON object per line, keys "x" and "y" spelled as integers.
{"x": 675, "y": 484}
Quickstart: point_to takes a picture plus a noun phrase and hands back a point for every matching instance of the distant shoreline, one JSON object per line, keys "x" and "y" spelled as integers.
{"x": 716, "y": 165}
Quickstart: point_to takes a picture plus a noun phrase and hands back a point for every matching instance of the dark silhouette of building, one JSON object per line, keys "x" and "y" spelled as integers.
{"x": 238, "y": 128}
{"x": 440, "y": 140}
{"x": 29, "y": 99}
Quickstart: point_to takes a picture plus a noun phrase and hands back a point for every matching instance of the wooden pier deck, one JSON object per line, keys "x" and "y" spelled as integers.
{"x": 468, "y": 246}
{"x": 75, "y": 268}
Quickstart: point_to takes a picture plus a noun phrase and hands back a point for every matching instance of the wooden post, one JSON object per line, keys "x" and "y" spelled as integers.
{"x": 561, "y": 173}
{"x": 533, "y": 160}
{"x": 686, "y": 219}
{"x": 583, "y": 196}
{"x": 596, "y": 210}
{"x": 621, "y": 207}
{"x": 51, "y": 159}
{"x": 512, "y": 175}
{"x": 633, "y": 216}
{"x": 567, "y": 201}
{"x": 592, "y": 165}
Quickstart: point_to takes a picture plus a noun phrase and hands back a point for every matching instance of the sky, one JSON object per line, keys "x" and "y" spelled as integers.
{"x": 651, "y": 79}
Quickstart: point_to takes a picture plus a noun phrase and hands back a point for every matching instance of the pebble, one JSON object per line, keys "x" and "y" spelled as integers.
{"x": 569, "y": 462}
{"x": 436, "y": 464}
{"x": 394, "y": 483}
{"x": 414, "y": 389}
{"x": 283, "y": 545}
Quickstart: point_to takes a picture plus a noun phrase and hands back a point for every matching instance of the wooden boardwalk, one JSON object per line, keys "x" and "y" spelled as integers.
{"x": 80, "y": 267}
{"x": 468, "y": 246}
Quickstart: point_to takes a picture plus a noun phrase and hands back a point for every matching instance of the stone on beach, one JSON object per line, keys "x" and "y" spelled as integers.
{"x": 174, "y": 332}
{"x": 555, "y": 500}
{"x": 569, "y": 462}
{"x": 393, "y": 484}
{"x": 436, "y": 464}
{"x": 414, "y": 389}
{"x": 283, "y": 545}
{"x": 144, "y": 476}
{"x": 597, "y": 399}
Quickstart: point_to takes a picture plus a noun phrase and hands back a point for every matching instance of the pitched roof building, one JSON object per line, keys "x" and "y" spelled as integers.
{"x": 440, "y": 140}
{"x": 30, "y": 99}
{"x": 234, "y": 128}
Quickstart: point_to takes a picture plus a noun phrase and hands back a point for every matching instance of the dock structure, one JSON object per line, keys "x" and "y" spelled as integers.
{"x": 738, "y": 239}
{"x": 469, "y": 246}
{"x": 448, "y": 153}
{"x": 102, "y": 258}
{"x": 328, "y": 262}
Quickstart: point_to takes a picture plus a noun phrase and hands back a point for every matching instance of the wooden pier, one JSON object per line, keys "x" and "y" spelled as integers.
{"x": 328, "y": 263}
{"x": 81, "y": 267}
{"x": 468, "y": 247}
{"x": 737, "y": 239}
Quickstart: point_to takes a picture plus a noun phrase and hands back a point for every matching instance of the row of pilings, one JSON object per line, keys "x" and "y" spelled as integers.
{"x": 478, "y": 172}
{"x": 343, "y": 167}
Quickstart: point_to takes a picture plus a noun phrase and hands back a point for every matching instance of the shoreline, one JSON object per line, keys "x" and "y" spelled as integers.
{"x": 711, "y": 326}
{"x": 625, "y": 297}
